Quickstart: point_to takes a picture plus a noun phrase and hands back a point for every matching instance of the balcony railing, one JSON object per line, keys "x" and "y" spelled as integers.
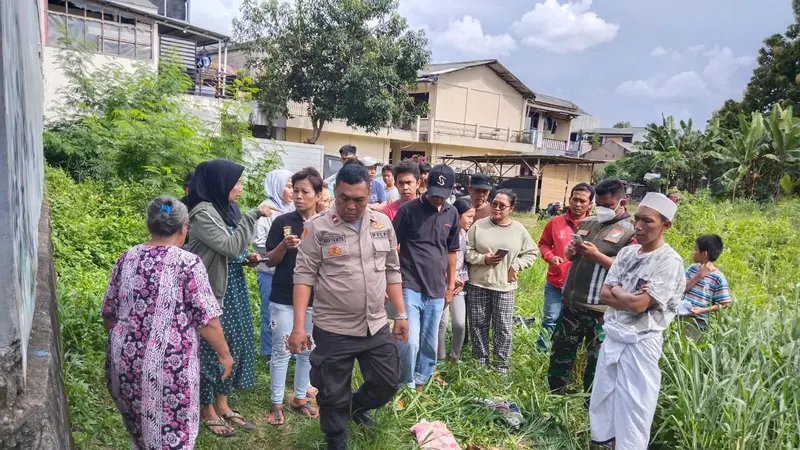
{"x": 555, "y": 146}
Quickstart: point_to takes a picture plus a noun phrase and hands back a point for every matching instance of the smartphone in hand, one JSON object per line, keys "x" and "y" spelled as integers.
{"x": 576, "y": 238}
{"x": 502, "y": 252}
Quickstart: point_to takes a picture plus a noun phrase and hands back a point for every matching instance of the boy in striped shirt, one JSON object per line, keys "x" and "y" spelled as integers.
{"x": 706, "y": 286}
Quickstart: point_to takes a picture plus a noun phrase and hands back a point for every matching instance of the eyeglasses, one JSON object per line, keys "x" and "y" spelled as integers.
{"x": 500, "y": 206}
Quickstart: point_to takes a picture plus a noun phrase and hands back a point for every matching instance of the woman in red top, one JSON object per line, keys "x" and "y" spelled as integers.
{"x": 555, "y": 237}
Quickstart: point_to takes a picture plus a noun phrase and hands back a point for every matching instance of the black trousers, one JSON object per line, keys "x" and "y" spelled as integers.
{"x": 332, "y": 362}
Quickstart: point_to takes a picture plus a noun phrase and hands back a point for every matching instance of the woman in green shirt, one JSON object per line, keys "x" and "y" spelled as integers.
{"x": 498, "y": 249}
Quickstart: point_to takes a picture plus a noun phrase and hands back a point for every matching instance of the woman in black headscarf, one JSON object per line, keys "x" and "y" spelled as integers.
{"x": 220, "y": 235}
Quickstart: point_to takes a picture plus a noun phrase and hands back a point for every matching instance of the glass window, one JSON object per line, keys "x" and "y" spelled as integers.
{"x": 93, "y": 33}
{"x": 127, "y": 34}
{"x": 144, "y": 51}
{"x": 110, "y": 47}
{"x": 127, "y": 49}
{"x": 55, "y": 28}
{"x": 77, "y": 28}
{"x": 110, "y": 31}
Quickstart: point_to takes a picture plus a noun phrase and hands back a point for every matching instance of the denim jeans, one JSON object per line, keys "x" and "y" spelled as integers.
{"x": 282, "y": 324}
{"x": 418, "y": 353}
{"x": 264, "y": 289}
{"x": 550, "y": 313}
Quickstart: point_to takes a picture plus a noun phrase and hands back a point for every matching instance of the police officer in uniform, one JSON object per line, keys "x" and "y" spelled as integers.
{"x": 348, "y": 255}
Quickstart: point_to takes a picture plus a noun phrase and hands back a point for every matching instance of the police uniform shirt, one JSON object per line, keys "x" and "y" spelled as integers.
{"x": 349, "y": 269}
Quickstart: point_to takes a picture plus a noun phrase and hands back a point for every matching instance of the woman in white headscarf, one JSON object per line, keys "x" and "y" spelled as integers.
{"x": 278, "y": 190}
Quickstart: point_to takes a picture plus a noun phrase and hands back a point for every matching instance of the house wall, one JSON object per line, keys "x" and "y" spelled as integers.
{"x": 478, "y": 96}
{"x": 610, "y": 151}
{"x": 558, "y": 180}
{"x": 375, "y": 147}
{"x": 54, "y": 80}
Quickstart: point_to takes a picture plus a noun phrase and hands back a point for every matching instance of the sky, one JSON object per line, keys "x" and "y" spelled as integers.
{"x": 620, "y": 60}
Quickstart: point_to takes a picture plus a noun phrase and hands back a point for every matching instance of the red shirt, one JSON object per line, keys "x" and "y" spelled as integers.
{"x": 391, "y": 209}
{"x": 555, "y": 237}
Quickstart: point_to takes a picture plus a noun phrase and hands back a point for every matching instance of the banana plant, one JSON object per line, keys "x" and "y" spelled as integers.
{"x": 742, "y": 150}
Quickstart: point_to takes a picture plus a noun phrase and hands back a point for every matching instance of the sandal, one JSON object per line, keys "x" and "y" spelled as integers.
{"x": 312, "y": 392}
{"x": 234, "y": 416}
{"x": 219, "y": 423}
{"x": 278, "y": 410}
{"x": 306, "y": 410}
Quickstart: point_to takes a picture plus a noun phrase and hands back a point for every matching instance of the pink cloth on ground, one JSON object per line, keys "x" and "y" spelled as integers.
{"x": 434, "y": 436}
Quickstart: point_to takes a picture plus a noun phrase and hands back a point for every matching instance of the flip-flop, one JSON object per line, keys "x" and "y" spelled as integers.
{"x": 219, "y": 423}
{"x": 278, "y": 410}
{"x": 312, "y": 413}
{"x": 236, "y": 415}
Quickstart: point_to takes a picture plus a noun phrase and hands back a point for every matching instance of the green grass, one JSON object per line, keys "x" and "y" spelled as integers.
{"x": 736, "y": 389}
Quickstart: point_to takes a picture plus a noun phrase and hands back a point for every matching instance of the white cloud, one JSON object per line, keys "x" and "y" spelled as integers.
{"x": 658, "y": 51}
{"x": 466, "y": 35}
{"x": 697, "y": 48}
{"x": 566, "y": 28}
{"x": 722, "y": 64}
{"x": 681, "y": 86}
{"x": 214, "y": 14}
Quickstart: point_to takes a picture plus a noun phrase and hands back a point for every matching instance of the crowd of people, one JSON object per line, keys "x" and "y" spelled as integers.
{"x": 335, "y": 263}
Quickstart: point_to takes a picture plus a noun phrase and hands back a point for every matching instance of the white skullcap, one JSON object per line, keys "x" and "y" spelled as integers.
{"x": 660, "y": 202}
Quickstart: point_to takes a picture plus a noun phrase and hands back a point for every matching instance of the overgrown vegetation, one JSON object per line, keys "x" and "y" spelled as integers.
{"x": 758, "y": 159}
{"x": 137, "y": 125}
{"x": 737, "y": 389}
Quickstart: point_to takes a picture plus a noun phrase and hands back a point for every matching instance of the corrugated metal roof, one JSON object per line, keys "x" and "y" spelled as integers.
{"x": 616, "y": 131}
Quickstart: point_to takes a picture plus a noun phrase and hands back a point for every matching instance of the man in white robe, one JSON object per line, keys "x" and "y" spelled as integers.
{"x": 643, "y": 289}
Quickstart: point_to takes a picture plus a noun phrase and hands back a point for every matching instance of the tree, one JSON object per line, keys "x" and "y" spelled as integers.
{"x": 728, "y": 116}
{"x": 597, "y": 141}
{"x": 348, "y": 60}
{"x": 622, "y": 125}
{"x": 741, "y": 150}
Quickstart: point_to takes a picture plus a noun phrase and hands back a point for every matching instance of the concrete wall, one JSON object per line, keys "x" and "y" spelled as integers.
{"x": 374, "y": 146}
{"x": 21, "y": 178}
{"x": 33, "y": 413}
{"x": 478, "y": 96}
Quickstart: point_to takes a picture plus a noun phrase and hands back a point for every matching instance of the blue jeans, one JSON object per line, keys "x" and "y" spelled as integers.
{"x": 418, "y": 353}
{"x": 550, "y": 313}
{"x": 264, "y": 289}
{"x": 282, "y": 324}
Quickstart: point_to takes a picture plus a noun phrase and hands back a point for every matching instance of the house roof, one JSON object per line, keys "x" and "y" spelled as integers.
{"x": 174, "y": 27}
{"x": 433, "y": 70}
{"x": 616, "y": 131}
{"x": 541, "y": 100}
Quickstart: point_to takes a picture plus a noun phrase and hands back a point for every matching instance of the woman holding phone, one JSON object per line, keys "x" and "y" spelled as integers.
{"x": 220, "y": 235}
{"x": 498, "y": 249}
{"x": 282, "y": 241}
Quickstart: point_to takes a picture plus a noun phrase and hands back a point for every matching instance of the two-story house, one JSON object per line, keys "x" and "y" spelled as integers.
{"x": 126, "y": 32}
{"x": 476, "y": 108}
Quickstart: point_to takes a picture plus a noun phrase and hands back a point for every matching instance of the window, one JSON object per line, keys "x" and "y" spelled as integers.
{"x": 103, "y": 30}
{"x": 627, "y": 139}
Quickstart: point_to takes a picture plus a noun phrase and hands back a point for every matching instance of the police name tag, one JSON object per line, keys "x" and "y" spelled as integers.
{"x": 380, "y": 234}
{"x": 333, "y": 239}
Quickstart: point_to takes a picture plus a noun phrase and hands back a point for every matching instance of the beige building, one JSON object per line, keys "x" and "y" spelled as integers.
{"x": 126, "y": 34}
{"x": 476, "y": 108}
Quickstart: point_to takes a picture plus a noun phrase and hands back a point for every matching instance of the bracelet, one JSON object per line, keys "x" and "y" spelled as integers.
{"x": 401, "y": 317}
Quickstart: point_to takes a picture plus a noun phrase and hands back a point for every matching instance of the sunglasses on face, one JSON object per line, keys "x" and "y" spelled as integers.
{"x": 500, "y": 206}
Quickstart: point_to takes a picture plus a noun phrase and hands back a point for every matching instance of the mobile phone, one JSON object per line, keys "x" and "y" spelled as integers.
{"x": 502, "y": 252}
{"x": 259, "y": 260}
{"x": 577, "y": 238}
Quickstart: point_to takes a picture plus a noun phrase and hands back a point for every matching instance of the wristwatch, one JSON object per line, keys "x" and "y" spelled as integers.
{"x": 401, "y": 317}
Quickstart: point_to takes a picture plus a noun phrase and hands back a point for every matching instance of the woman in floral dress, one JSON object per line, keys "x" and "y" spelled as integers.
{"x": 158, "y": 299}
{"x": 220, "y": 234}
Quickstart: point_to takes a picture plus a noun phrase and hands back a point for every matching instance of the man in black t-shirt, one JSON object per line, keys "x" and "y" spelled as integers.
{"x": 427, "y": 232}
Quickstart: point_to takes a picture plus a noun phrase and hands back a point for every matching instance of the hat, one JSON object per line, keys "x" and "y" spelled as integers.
{"x": 480, "y": 181}
{"x": 368, "y": 161}
{"x": 660, "y": 203}
{"x": 441, "y": 180}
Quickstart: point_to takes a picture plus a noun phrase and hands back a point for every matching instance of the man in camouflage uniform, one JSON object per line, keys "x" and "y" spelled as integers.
{"x": 604, "y": 235}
